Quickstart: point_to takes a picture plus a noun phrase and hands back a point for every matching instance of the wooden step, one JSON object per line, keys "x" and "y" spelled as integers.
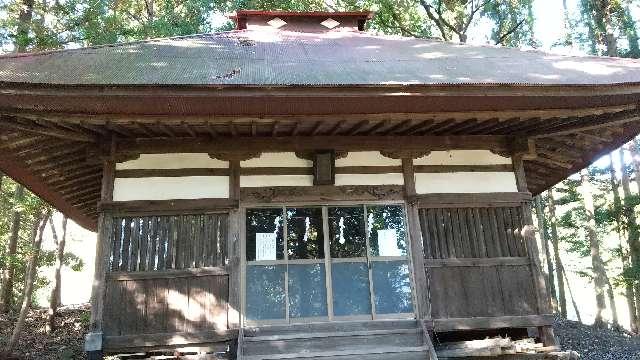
{"x": 337, "y": 326}
{"x": 289, "y": 336}
{"x": 318, "y": 342}
{"x": 373, "y": 353}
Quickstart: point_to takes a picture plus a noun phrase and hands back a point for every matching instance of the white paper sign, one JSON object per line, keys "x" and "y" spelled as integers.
{"x": 265, "y": 246}
{"x": 388, "y": 243}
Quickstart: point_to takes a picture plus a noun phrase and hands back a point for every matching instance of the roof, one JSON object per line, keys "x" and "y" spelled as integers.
{"x": 252, "y": 58}
{"x": 58, "y": 107}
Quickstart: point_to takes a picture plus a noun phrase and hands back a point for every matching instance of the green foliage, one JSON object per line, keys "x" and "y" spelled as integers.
{"x": 30, "y": 207}
{"x": 514, "y": 22}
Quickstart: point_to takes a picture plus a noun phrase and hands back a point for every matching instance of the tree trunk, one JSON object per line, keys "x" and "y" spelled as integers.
{"x": 612, "y": 304}
{"x": 599, "y": 278}
{"x": 6, "y": 298}
{"x": 36, "y": 238}
{"x": 624, "y": 251}
{"x": 553, "y": 222}
{"x": 633, "y": 235}
{"x": 610, "y": 38}
{"x": 573, "y": 300}
{"x": 24, "y": 25}
{"x": 544, "y": 241}
{"x": 55, "y": 291}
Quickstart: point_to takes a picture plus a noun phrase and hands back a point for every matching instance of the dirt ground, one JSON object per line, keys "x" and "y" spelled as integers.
{"x": 67, "y": 341}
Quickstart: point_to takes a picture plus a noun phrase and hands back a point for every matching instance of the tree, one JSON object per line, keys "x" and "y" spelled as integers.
{"x": 513, "y": 22}
{"x": 37, "y": 235}
{"x": 544, "y": 241}
{"x": 54, "y": 301}
{"x": 6, "y": 297}
{"x": 600, "y": 276}
{"x": 553, "y": 222}
{"x": 617, "y": 213}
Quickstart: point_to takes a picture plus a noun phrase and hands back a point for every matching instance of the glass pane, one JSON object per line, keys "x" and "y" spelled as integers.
{"x": 307, "y": 291}
{"x": 265, "y": 240}
{"x": 346, "y": 232}
{"x": 305, "y": 239}
{"x": 350, "y": 282}
{"x": 386, "y": 228}
{"x": 391, "y": 287}
{"x": 265, "y": 292}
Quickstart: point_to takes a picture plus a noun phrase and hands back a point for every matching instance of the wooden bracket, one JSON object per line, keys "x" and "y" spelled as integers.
{"x": 404, "y": 154}
{"x": 522, "y": 147}
{"x": 234, "y": 155}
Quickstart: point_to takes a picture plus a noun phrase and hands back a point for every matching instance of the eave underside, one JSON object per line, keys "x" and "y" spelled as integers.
{"x": 57, "y": 154}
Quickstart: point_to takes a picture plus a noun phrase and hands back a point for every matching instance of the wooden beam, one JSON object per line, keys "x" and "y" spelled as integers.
{"x": 443, "y": 200}
{"x": 497, "y": 322}
{"x": 171, "y": 274}
{"x": 602, "y": 124}
{"x": 62, "y": 134}
{"x": 301, "y": 143}
{"x": 167, "y": 206}
{"x": 124, "y": 342}
{"x": 16, "y": 170}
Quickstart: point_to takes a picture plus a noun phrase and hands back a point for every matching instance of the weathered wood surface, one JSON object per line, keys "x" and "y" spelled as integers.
{"x": 166, "y": 305}
{"x": 149, "y": 243}
{"x": 473, "y": 232}
{"x": 477, "y": 260}
{"x": 493, "y": 322}
{"x": 461, "y": 292}
{"x": 167, "y": 340}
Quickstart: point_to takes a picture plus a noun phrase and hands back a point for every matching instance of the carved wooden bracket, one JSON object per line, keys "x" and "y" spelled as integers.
{"x": 404, "y": 154}
{"x": 322, "y": 193}
{"x": 524, "y": 148}
{"x": 234, "y": 155}
{"x": 308, "y": 155}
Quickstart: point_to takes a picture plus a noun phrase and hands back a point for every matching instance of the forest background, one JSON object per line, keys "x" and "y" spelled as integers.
{"x": 589, "y": 224}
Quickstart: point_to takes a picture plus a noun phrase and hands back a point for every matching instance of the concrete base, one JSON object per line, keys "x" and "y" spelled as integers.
{"x": 94, "y": 355}
{"x": 93, "y": 342}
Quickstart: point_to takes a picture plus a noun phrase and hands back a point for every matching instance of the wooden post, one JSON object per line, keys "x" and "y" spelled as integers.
{"x": 528, "y": 232}
{"x": 233, "y": 248}
{"x": 93, "y": 340}
{"x": 417, "y": 256}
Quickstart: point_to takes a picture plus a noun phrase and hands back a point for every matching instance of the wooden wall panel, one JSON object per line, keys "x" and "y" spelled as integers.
{"x": 479, "y": 232}
{"x": 157, "y": 243}
{"x": 166, "y": 304}
{"x": 481, "y": 291}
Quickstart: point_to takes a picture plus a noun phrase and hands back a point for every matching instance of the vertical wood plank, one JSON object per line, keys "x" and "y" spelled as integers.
{"x": 455, "y": 232}
{"x": 432, "y": 226}
{"x": 501, "y": 229}
{"x": 143, "y": 243}
{"x": 480, "y": 239}
{"x": 135, "y": 245}
{"x": 444, "y": 248}
{"x": 496, "y": 236}
{"x": 117, "y": 243}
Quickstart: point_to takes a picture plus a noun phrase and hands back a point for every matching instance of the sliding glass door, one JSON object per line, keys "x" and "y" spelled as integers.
{"x": 321, "y": 263}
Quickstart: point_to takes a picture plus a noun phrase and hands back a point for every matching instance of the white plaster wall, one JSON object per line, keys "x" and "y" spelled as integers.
{"x": 276, "y": 180}
{"x": 465, "y": 182}
{"x": 369, "y": 179}
{"x": 170, "y": 188}
{"x": 462, "y": 157}
{"x": 367, "y": 158}
{"x": 172, "y": 161}
{"x": 277, "y": 160}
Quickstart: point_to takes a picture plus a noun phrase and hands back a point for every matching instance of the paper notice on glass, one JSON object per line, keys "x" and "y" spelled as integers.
{"x": 265, "y": 246}
{"x": 388, "y": 243}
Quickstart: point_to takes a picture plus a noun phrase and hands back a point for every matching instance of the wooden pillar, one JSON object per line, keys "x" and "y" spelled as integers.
{"x": 93, "y": 340}
{"x": 542, "y": 295}
{"x": 234, "y": 250}
{"x": 417, "y": 255}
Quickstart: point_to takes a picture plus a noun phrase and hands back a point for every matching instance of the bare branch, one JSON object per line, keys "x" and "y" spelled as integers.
{"x": 504, "y": 36}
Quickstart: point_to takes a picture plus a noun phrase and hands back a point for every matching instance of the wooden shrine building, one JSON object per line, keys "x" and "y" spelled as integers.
{"x": 300, "y": 188}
